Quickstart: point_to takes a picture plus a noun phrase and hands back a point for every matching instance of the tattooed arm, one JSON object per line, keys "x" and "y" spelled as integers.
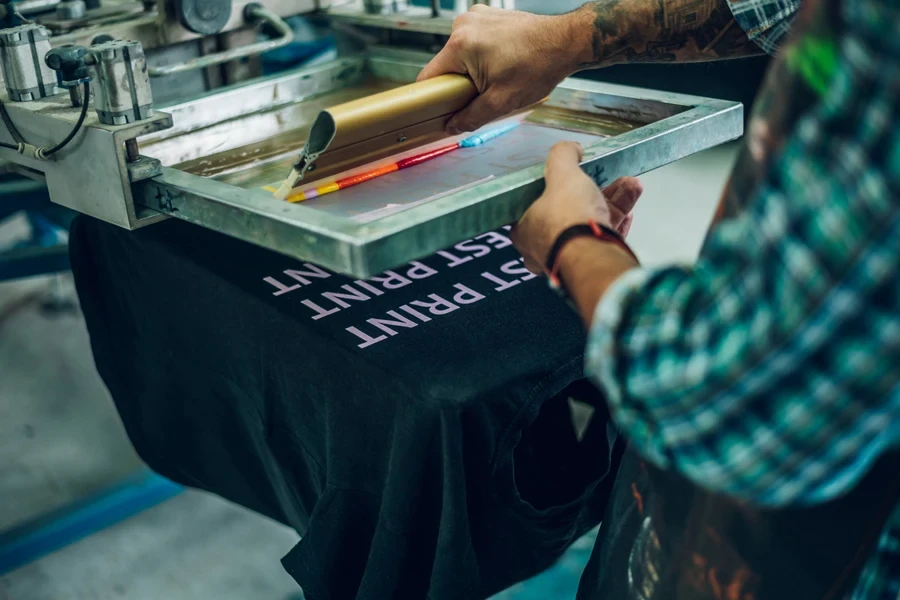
{"x": 517, "y": 58}
{"x": 635, "y": 31}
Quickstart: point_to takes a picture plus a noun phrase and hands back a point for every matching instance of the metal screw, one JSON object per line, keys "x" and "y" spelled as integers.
{"x": 75, "y": 96}
{"x": 70, "y": 10}
{"x": 132, "y": 152}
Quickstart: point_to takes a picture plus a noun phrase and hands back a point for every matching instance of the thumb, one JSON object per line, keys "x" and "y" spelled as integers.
{"x": 480, "y": 111}
{"x": 563, "y": 163}
{"x": 446, "y": 61}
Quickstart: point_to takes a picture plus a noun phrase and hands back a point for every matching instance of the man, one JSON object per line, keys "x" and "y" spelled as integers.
{"x": 768, "y": 372}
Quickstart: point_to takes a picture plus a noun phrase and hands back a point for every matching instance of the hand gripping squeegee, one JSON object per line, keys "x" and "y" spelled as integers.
{"x": 362, "y": 131}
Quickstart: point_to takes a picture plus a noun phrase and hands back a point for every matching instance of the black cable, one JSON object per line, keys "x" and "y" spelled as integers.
{"x": 9, "y": 124}
{"x": 4, "y": 115}
{"x": 12, "y": 129}
{"x": 84, "y": 108}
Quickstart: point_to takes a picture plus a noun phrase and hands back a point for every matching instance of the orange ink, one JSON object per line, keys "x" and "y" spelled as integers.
{"x": 363, "y": 177}
{"x": 638, "y": 499}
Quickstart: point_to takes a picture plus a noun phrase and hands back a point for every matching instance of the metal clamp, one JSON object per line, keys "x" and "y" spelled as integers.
{"x": 385, "y": 7}
{"x": 122, "y": 90}
{"x": 26, "y": 77}
{"x": 253, "y": 13}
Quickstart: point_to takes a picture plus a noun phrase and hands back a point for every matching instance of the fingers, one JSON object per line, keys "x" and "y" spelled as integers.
{"x": 610, "y": 190}
{"x": 625, "y": 226}
{"x": 624, "y": 193}
{"x": 563, "y": 163}
{"x": 447, "y": 61}
{"x": 621, "y": 196}
{"x": 481, "y": 111}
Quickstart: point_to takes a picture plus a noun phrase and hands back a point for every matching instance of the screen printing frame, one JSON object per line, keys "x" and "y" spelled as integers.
{"x": 679, "y": 126}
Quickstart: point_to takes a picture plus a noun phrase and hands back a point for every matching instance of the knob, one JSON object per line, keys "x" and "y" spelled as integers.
{"x": 71, "y": 10}
{"x": 206, "y": 17}
{"x": 102, "y": 39}
{"x": 70, "y": 63}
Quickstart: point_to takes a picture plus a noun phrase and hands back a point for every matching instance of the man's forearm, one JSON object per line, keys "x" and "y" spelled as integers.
{"x": 587, "y": 268}
{"x": 641, "y": 31}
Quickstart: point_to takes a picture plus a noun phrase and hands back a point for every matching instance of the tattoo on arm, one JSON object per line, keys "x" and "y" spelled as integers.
{"x": 635, "y": 31}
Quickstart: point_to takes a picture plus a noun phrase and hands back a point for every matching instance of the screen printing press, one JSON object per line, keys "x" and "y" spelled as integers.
{"x": 366, "y": 366}
{"x": 204, "y": 159}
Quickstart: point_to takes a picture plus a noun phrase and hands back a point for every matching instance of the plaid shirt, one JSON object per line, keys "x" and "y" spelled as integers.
{"x": 770, "y": 370}
{"x": 767, "y": 22}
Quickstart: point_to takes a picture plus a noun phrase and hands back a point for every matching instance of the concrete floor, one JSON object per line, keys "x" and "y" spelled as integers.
{"x": 60, "y": 439}
{"x": 194, "y": 546}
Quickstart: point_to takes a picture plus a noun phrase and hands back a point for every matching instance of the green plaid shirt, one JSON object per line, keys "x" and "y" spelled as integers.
{"x": 770, "y": 370}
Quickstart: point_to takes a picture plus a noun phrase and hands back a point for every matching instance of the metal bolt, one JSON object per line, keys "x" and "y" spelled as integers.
{"x": 386, "y": 7}
{"x": 71, "y": 10}
{"x": 75, "y": 96}
{"x": 132, "y": 152}
{"x": 102, "y": 39}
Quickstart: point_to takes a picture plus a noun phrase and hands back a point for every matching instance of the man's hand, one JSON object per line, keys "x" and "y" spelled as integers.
{"x": 517, "y": 58}
{"x": 571, "y": 198}
{"x": 514, "y": 58}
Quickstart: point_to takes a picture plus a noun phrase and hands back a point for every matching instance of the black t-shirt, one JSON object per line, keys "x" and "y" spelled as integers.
{"x": 413, "y": 427}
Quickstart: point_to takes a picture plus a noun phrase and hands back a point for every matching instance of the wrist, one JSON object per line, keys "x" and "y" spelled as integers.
{"x": 586, "y": 250}
{"x": 587, "y": 269}
{"x": 561, "y": 249}
{"x": 580, "y": 246}
{"x": 553, "y": 235}
{"x": 576, "y": 30}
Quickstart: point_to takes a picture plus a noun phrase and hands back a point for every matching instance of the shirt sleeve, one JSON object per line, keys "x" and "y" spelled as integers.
{"x": 770, "y": 370}
{"x": 766, "y": 22}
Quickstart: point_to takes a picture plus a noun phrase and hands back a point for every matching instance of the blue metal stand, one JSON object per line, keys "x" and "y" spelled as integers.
{"x": 30, "y": 261}
{"x": 44, "y": 253}
{"x": 31, "y": 541}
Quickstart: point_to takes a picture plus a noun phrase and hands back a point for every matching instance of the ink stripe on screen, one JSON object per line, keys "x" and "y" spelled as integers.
{"x": 406, "y": 163}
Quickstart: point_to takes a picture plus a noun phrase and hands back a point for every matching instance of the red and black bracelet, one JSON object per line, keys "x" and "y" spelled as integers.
{"x": 589, "y": 229}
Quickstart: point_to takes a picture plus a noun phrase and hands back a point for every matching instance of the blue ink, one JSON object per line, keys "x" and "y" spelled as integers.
{"x": 477, "y": 140}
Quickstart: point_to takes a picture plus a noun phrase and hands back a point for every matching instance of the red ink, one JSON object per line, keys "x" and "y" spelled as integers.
{"x": 426, "y": 156}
